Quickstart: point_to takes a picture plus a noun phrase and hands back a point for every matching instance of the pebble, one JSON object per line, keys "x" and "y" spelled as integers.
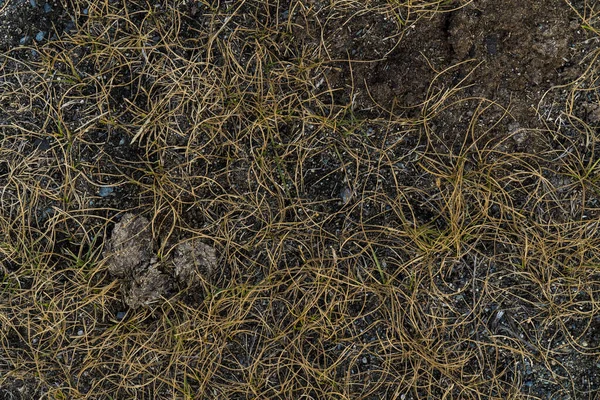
{"x": 33, "y": 3}
{"x": 47, "y": 8}
{"x": 346, "y": 195}
{"x": 120, "y": 315}
{"x": 40, "y": 36}
{"x": 105, "y": 191}
{"x": 80, "y": 332}
{"x": 25, "y": 40}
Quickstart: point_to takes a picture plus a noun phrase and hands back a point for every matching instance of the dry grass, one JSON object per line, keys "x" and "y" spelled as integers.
{"x": 451, "y": 266}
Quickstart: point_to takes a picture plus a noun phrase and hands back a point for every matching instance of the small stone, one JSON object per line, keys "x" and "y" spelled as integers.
{"x": 584, "y": 343}
{"x": 86, "y": 11}
{"x": 105, "y": 191}
{"x": 40, "y": 36}
{"x": 33, "y": 3}
{"x": 121, "y": 315}
{"x": 529, "y": 383}
{"x": 364, "y": 360}
{"x": 25, "y": 40}
{"x": 122, "y": 142}
{"x": 346, "y": 195}
{"x": 80, "y": 332}
{"x": 47, "y": 8}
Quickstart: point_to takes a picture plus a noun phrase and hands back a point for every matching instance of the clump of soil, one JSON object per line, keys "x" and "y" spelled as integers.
{"x": 144, "y": 278}
{"x": 194, "y": 261}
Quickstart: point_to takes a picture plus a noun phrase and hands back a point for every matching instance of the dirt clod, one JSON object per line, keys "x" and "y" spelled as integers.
{"x": 147, "y": 288}
{"x": 129, "y": 250}
{"x": 144, "y": 278}
{"x": 194, "y": 261}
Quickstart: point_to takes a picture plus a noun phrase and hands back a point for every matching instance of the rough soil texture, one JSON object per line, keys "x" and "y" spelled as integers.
{"x": 277, "y": 199}
{"x": 510, "y": 57}
{"x": 193, "y": 262}
{"x": 129, "y": 251}
{"x": 144, "y": 279}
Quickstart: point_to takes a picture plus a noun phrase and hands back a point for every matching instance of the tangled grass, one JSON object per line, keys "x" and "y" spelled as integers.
{"x": 448, "y": 267}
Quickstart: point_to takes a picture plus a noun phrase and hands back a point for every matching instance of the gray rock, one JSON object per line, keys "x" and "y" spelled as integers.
{"x": 105, "y": 191}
